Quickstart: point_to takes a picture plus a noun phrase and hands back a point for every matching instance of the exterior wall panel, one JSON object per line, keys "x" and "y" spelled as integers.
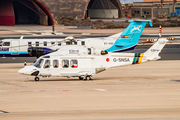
{"x": 6, "y": 13}
{"x": 103, "y": 13}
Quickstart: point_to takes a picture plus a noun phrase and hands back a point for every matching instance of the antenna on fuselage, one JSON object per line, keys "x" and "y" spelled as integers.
{"x": 21, "y": 37}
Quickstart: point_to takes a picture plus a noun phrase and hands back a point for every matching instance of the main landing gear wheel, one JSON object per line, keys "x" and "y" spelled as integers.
{"x": 88, "y": 78}
{"x": 81, "y": 78}
{"x": 36, "y": 78}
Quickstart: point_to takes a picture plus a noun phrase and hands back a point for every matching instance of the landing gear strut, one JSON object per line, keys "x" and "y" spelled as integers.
{"x": 88, "y": 78}
{"x": 36, "y": 78}
{"x": 81, "y": 77}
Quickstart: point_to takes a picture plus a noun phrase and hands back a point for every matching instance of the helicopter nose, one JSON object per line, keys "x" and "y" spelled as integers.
{"x": 22, "y": 71}
{"x": 25, "y": 71}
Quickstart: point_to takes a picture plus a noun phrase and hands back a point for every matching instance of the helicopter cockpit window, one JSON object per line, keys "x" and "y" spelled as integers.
{"x": 29, "y": 44}
{"x": 47, "y": 64}
{"x": 46, "y": 57}
{"x": 65, "y": 63}
{"x": 6, "y": 44}
{"x": 74, "y": 63}
{"x": 37, "y": 43}
{"x": 55, "y": 63}
{"x": 39, "y": 63}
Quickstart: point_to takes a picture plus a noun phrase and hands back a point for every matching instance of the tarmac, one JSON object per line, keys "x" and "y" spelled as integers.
{"x": 148, "y": 91}
{"x": 32, "y": 29}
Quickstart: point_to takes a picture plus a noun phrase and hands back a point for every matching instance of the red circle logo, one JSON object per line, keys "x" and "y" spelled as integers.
{"x": 107, "y": 59}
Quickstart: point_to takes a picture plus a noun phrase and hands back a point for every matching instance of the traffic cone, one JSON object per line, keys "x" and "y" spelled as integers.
{"x": 25, "y": 63}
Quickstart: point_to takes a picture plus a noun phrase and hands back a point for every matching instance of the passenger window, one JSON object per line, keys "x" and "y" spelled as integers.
{"x": 89, "y": 51}
{"x": 83, "y": 43}
{"x": 65, "y": 63}
{"x": 55, "y": 63}
{"x": 52, "y": 43}
{"x": 47, "y": 64}
{"x": 37, "y": 43}
{"x": 6, "y": 44}
{"x": 29, "y": 44}
{"x": 75, "y": 42}
{"x": 74, "y": 63}
{"x": 45, "y": 43}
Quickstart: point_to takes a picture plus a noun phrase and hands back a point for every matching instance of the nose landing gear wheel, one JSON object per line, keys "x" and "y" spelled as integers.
{"x": 36, "y": 78}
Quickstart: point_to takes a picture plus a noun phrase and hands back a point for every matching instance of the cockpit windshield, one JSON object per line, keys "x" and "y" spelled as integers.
{"x": 39, "y": 63}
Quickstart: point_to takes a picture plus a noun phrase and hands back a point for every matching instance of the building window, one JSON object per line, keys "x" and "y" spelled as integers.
{"x": 136, "y": 12}
{"x": 29, "y": 44}
{"x": 45, "y": 43}
{"x": 65, "y": 63}
{"x": 37, "y": 43}
{"x": 55, "y": 63}
{"x": 74, "y": 63}
{"x": 47, "y": 64}
{"x": 146, "y": 12}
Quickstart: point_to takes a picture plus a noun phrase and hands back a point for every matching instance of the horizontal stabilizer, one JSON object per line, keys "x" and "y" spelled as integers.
{"x": 119, "y": 45}
{"x": 115, "y": 35}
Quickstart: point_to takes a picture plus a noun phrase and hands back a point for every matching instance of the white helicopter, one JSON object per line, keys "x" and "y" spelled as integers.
{"x": 82, "y": 62}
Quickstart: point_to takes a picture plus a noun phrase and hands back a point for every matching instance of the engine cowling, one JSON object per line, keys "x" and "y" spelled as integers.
{"x": 38, "y": 51}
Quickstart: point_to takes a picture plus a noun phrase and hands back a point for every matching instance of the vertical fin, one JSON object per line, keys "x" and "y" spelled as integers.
{"x": 153, "y": 52}
{"x": 130, "y": 36}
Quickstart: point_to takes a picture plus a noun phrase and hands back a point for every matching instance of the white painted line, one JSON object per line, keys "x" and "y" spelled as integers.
{"x": 85, "y": 33}
{"x": 100, "y": 90}
{"x": 164, "y": 74}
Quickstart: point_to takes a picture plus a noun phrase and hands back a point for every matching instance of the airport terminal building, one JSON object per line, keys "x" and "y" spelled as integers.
{"x": 45, "y": 12}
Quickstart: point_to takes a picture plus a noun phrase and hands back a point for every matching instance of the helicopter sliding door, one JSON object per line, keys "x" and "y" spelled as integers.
{"x": 50, "y": 68}
{"x": 55, "y": 68}
{"x": 69, "y": 67}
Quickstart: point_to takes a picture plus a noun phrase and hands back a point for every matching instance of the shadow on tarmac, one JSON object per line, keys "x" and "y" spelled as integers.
{"x": 176, "y": 80}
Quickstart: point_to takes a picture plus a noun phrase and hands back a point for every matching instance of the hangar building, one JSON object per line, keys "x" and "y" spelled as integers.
{"x": 45, "y": 12}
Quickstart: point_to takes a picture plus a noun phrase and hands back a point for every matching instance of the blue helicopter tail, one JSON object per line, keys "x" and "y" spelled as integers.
{"x": 130, "y": 36}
